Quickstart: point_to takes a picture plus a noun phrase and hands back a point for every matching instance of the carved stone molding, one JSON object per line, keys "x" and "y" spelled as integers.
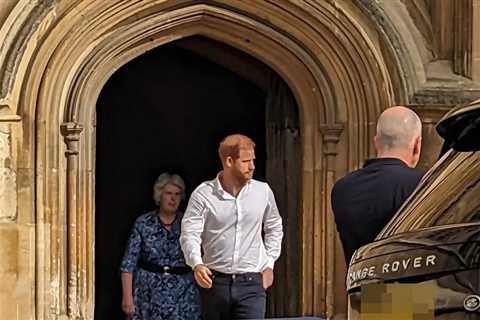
{"x": 7, "y": 114}
{"x": 419, "y": 85}
{"x": 76, "y": 47}
{"x": 331, "y": 133}
{"x": 444, "y": 97}
{"x": 395, "y": 44}
{"x": 8, "y": 177}
{"x": 429, "y": 114}
{"x": 24, "y": 24}
{"x": 463, "y": 36}
{"x": 71, "y": 135}
{"x": 331, "y": 136}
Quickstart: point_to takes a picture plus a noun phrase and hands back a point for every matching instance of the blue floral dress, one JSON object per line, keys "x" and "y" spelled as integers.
{"x": 159, "y": 296}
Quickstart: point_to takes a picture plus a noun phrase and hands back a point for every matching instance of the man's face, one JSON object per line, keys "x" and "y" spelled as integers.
{"x": 244, "y": 166}
{"x": 170, "y": 198}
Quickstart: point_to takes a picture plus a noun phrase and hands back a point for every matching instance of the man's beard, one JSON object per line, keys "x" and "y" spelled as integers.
{"x": 243, "y": 177}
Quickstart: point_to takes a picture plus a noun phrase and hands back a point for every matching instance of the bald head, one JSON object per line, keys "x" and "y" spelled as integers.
{"x": 397, "y": 128}
{"x": 399, "y": 135}
{"x": 232, "y": 144}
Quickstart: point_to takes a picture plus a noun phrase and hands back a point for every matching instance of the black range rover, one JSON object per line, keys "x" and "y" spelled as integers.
{"x": 425, "y": 263}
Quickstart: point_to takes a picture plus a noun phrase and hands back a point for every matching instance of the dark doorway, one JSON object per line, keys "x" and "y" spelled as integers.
{"x": 166, "y": 111}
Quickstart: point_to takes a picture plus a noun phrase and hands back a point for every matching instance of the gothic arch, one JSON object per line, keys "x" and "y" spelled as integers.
{"x": 58, "y": 56}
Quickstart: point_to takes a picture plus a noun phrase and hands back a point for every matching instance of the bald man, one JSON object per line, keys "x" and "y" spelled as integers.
{"x": 366, "y": 199}
{"x": 225, "y": 217}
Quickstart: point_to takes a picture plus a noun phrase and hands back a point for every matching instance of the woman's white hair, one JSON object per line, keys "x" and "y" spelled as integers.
{"x": 162, "y": 181}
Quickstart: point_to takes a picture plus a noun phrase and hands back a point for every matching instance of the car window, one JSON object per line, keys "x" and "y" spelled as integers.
{"x": 449, "y": 194}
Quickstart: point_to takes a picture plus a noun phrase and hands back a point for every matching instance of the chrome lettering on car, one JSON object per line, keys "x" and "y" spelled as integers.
{"x": 389, "y": 267}
{"x": 431, "y": 260}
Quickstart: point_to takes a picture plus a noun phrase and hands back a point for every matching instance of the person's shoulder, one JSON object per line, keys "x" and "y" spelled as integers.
{"x": 204, "y": 187}
{"x": 405, "y": 172}
{"x": 142, "y": 219}
{"x": 414, "y": 172}
{"x": 415, "y": 175}
{"x": 257, "y": 184}
{"x": 347, "y": 179}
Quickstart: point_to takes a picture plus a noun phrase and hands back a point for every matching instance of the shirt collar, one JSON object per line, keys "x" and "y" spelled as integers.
{"x": 176, "y": 223}
{"x": 384, "y": 161}
{"x": 219, "y": 188}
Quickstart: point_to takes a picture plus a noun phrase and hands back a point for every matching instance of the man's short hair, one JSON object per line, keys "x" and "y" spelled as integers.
{"x": 232, "y": 144}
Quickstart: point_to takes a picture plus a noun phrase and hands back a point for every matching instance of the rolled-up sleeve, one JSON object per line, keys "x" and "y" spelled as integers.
{"x": 192, "y": 227}
{"x": 132, "y": 251}
{"x": 272, "y": 227}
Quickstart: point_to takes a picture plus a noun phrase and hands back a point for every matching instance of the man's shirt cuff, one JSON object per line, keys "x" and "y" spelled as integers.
{"x": 270, "y": 263}
{"x": 195, "y": 261}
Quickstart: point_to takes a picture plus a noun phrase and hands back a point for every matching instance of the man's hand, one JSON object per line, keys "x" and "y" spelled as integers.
{"x": 203, "y": 276}
{"x": 128, "y": 307}
{"x": 267, "y": 278}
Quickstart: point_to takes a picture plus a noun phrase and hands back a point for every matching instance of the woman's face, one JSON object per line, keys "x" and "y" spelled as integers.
{"x": 170, "y": 198}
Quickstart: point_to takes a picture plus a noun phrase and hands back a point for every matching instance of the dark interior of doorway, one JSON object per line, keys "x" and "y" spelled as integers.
{"x": 166, "y": 111}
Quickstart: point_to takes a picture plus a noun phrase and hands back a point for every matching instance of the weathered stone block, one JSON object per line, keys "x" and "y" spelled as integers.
{"x": 8, "y": 270}
{"x": 8, "y": 250}
{"x": 17, "y": 271}
{"x": 8, "y": 199}
{"x": 8, "y": 188}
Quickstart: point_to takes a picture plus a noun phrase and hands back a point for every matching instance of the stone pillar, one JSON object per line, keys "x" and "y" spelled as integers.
{"x": 9, "y": 233}
{"x": 8, "y": 179}
{"x": 17, "y": 236}
{"x": 331, "y": 135}
{"x": 71, "y": 133}
{"x": 442, "y": 24}
{"x": 476, "y": 41}
{"x": 466, "y": 60}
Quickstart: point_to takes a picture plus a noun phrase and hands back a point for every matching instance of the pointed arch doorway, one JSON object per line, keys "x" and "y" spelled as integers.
{"x": 166, "y": 111}
{"x": 61, "y": 55}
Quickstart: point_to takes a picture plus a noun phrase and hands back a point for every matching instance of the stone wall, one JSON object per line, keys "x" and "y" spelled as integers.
{"x": 392, "y": 52}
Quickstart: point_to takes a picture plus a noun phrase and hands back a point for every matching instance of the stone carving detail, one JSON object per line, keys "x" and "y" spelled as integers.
{"x": 8, "y": 196}
{"x": 444, "y": 97}
{"x": 12, "y": 51}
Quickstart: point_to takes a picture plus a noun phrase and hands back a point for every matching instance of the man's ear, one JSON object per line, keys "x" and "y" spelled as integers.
{"x": 375, "y": 143}
{"x": 417, "y": 147}
{"x": 228, "y": 162}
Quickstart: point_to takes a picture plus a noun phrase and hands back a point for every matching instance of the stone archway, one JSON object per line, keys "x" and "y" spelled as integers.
{"x": 336, "y": 72}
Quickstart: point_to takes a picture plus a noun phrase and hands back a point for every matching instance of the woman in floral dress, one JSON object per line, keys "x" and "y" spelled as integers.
{"x": 156, "y": 283}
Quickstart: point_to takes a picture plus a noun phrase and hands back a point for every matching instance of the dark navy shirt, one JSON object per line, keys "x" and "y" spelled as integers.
{"x": 366, "y": 199}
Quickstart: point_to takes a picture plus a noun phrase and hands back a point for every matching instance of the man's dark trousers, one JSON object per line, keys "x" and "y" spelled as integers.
{"x": 240, "y": 296}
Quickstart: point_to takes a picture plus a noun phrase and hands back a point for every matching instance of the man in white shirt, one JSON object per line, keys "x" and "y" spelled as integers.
{"x": 225, "y": 217}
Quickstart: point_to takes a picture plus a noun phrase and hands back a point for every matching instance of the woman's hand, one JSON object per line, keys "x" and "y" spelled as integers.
{"x": 127, "y": 297}
{"x": 128, "y": 306}
{"x": 203, "y": 276}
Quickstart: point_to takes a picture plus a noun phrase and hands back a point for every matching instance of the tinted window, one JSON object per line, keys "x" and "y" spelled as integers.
{"x": 449, "y": 194}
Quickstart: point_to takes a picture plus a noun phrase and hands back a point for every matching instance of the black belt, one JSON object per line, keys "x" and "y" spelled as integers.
{"x": 152, "y": 267}
{"x": 239, "y": 276}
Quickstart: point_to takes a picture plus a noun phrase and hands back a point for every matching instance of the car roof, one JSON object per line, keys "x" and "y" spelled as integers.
{"x": 460, "y": 127}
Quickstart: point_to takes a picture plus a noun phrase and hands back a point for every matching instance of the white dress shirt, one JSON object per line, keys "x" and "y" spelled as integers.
{"x": 229, "y": 229}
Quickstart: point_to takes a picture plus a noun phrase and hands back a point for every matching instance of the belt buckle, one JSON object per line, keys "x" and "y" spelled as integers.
{"x": 165, "y": 270}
